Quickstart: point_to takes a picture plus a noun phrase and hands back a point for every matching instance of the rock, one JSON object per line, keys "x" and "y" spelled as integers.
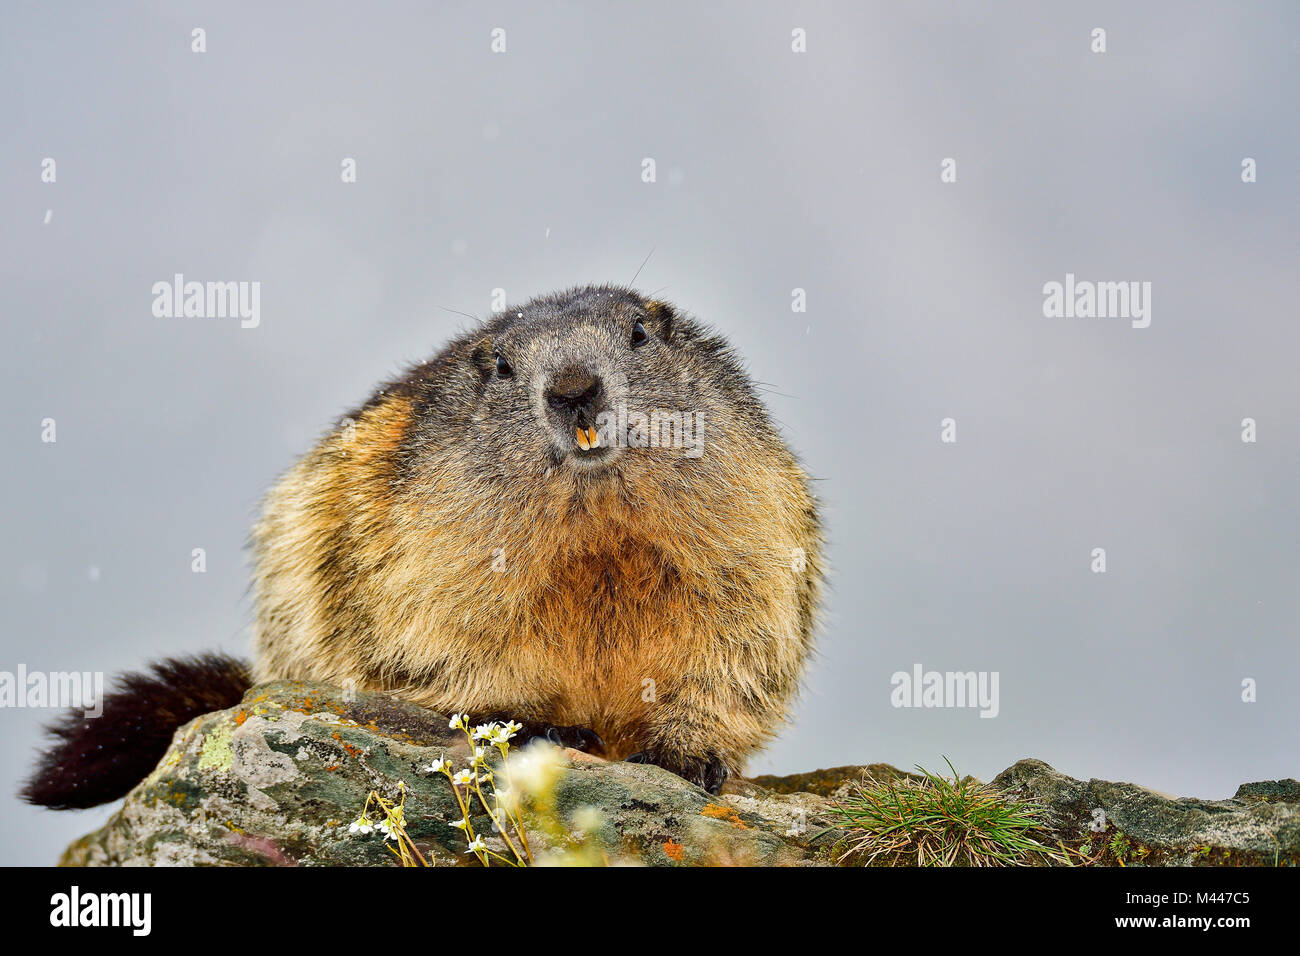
{"x": 1285, "y": 791}
{"x": 834, "y": 783}
{"x": 278, "y": 780}
{"x": 1259, "y": 826}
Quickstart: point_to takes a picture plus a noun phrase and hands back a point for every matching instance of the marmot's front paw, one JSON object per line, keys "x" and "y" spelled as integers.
{"x": 708, "y": 772}
{"x": 576, "y": 738}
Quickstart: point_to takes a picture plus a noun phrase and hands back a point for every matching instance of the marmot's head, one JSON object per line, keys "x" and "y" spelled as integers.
{"x": 586, "y": 386}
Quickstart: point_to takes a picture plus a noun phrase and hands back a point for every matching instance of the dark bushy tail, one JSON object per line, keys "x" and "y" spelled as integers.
{"x": 96, "y": 760}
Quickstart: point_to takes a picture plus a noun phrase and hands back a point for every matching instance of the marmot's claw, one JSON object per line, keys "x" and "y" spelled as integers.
{"x": 576, "y": 738}
{"x": 715, "y": 775}
{"x": 709, "y": 773}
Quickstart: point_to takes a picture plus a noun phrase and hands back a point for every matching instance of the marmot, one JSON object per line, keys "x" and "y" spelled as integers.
{"x": 577, "y": 515}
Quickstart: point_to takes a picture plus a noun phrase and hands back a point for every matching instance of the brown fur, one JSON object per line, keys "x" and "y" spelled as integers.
{"x": 437, "y": 546}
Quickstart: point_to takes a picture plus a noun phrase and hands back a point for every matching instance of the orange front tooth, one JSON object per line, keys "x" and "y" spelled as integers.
{"x": 593, "y": 438}
{"x": 583, "y": 443}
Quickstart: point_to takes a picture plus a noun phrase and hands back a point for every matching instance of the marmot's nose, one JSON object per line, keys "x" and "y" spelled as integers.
{"x": 573, "y": 389}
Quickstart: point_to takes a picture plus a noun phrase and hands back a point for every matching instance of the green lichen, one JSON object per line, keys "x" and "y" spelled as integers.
{"x": 217, "y": 752}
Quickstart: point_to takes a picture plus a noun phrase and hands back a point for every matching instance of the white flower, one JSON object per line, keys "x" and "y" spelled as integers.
{"x": 463, "y": 777}
{"x": 476, "y": 845}
{"x": 393, "y": 823}
{"x": 503, "y": 732}
{"x": 361, "y": 826}
{"x": 461, "y": 824}
{"x": 437, "y": 766}
{"x": 587, "y": 819}
{"x": 457, "y": 721}
{"x": 536, "y": 769}
{"x": 483, "y": 731}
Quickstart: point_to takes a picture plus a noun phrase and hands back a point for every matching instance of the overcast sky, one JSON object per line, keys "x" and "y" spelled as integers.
{"x": 776, "y": 171}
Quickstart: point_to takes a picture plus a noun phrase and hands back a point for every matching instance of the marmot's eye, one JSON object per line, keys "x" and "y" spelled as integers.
{"x": 639, "y": 336}
{"x": 503, "y": 367}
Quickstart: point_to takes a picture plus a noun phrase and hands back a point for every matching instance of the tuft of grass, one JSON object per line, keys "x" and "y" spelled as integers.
{"x": 1120, "y": 846}
{"x": 940, "y": 821}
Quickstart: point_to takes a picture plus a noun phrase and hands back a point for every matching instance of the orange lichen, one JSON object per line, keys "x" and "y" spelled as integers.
{"x": 354, "y": 751}
{"x": 673, "y": 851}
{"x": 724, "y": 813}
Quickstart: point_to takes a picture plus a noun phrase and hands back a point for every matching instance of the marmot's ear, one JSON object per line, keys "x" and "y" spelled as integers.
{"x": 482, "y": 355}
{"x": 659, "y": 318}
